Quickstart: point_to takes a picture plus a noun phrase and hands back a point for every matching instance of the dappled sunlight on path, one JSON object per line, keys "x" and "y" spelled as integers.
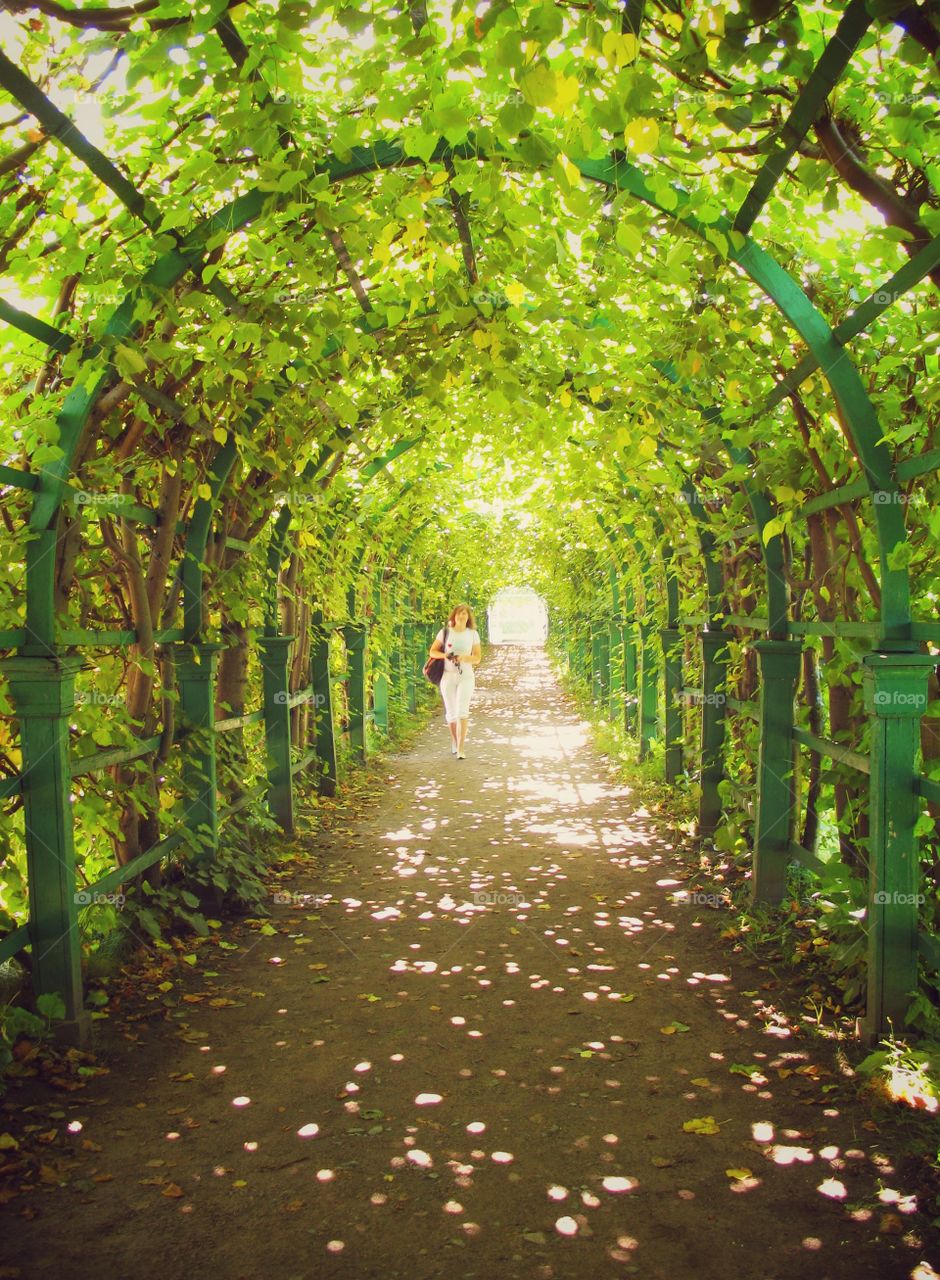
{"x": 496, "y": 1038}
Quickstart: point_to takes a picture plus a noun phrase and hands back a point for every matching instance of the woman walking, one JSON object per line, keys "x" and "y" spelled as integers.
{"x": 461, "y": 653}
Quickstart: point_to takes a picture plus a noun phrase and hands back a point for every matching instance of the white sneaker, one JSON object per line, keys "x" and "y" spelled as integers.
{"x": 453, "y": 749}
{"x": 461, "y": 756}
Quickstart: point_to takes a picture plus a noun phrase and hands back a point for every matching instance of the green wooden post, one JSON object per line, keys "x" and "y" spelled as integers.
{"x": 714, "y": 702}
{"x": 602, "y": 664}
{"x": 43, "y": 693}
{"x": 615, "y": 666}
{"x": 411, "y": 683}
{"x": 583, "y": 650}
{"x": 896, "y": 698}
{"x": 630, "y": 697}
{"x": 647, "y": 696}
{"x": 355, "y": 634}
{"x": 671, "y": 638}
{"x": 195, "y": 678}
{"x": 380, "y": 702}
{"x": 594, "y": 652}
{"x": 398, "y": 675}
{"x": 324, "y": 729}
{"x": 779, "y": 671}
{"x": 418, "y": 658}
{"x": 275, "y": 655}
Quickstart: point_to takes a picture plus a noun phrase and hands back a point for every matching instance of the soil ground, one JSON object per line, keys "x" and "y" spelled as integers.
{"x": 471, "y": 1048}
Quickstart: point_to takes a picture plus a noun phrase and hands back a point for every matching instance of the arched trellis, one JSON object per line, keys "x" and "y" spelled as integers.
{"x": 826, "y": 351}
{"x": 862, "y": 426}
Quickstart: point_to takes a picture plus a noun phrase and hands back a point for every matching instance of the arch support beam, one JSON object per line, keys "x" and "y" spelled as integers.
{"x": 896, "y": 696}
{"x": 43, "y": 692}
{"x": 779, "y": 662}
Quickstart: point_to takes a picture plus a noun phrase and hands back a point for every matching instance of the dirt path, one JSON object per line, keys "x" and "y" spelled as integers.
{"x": 469, "y": 1021}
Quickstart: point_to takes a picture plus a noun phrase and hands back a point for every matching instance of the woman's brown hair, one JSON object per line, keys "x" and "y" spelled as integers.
{"x": 471, "y": 624}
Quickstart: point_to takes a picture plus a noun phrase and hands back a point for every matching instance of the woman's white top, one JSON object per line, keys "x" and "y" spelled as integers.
{"x": 459, "y": 642}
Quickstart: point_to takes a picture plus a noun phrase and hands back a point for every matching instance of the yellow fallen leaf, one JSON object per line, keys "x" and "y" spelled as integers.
{"x": 703, "y": 1124}
{"x": 173, "y": 1191}
{"x": 738, "y": 1174}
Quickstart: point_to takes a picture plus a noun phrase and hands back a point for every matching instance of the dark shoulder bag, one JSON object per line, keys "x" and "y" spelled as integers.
{"x": 434, "y": 667}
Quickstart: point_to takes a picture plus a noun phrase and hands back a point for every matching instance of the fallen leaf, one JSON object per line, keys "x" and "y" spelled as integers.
{"x": 172, "y": 1191}
{"x": 738, "y": 1174}
{"x": 891, "y": 1224}
{"x": 703, "y": 1124}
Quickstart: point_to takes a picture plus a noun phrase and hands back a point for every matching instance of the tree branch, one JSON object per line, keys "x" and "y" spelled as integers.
{"x": 895, "y": 210}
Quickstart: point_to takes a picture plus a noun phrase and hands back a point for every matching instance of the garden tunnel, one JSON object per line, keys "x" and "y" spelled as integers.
{"x": 631, "y": 304}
